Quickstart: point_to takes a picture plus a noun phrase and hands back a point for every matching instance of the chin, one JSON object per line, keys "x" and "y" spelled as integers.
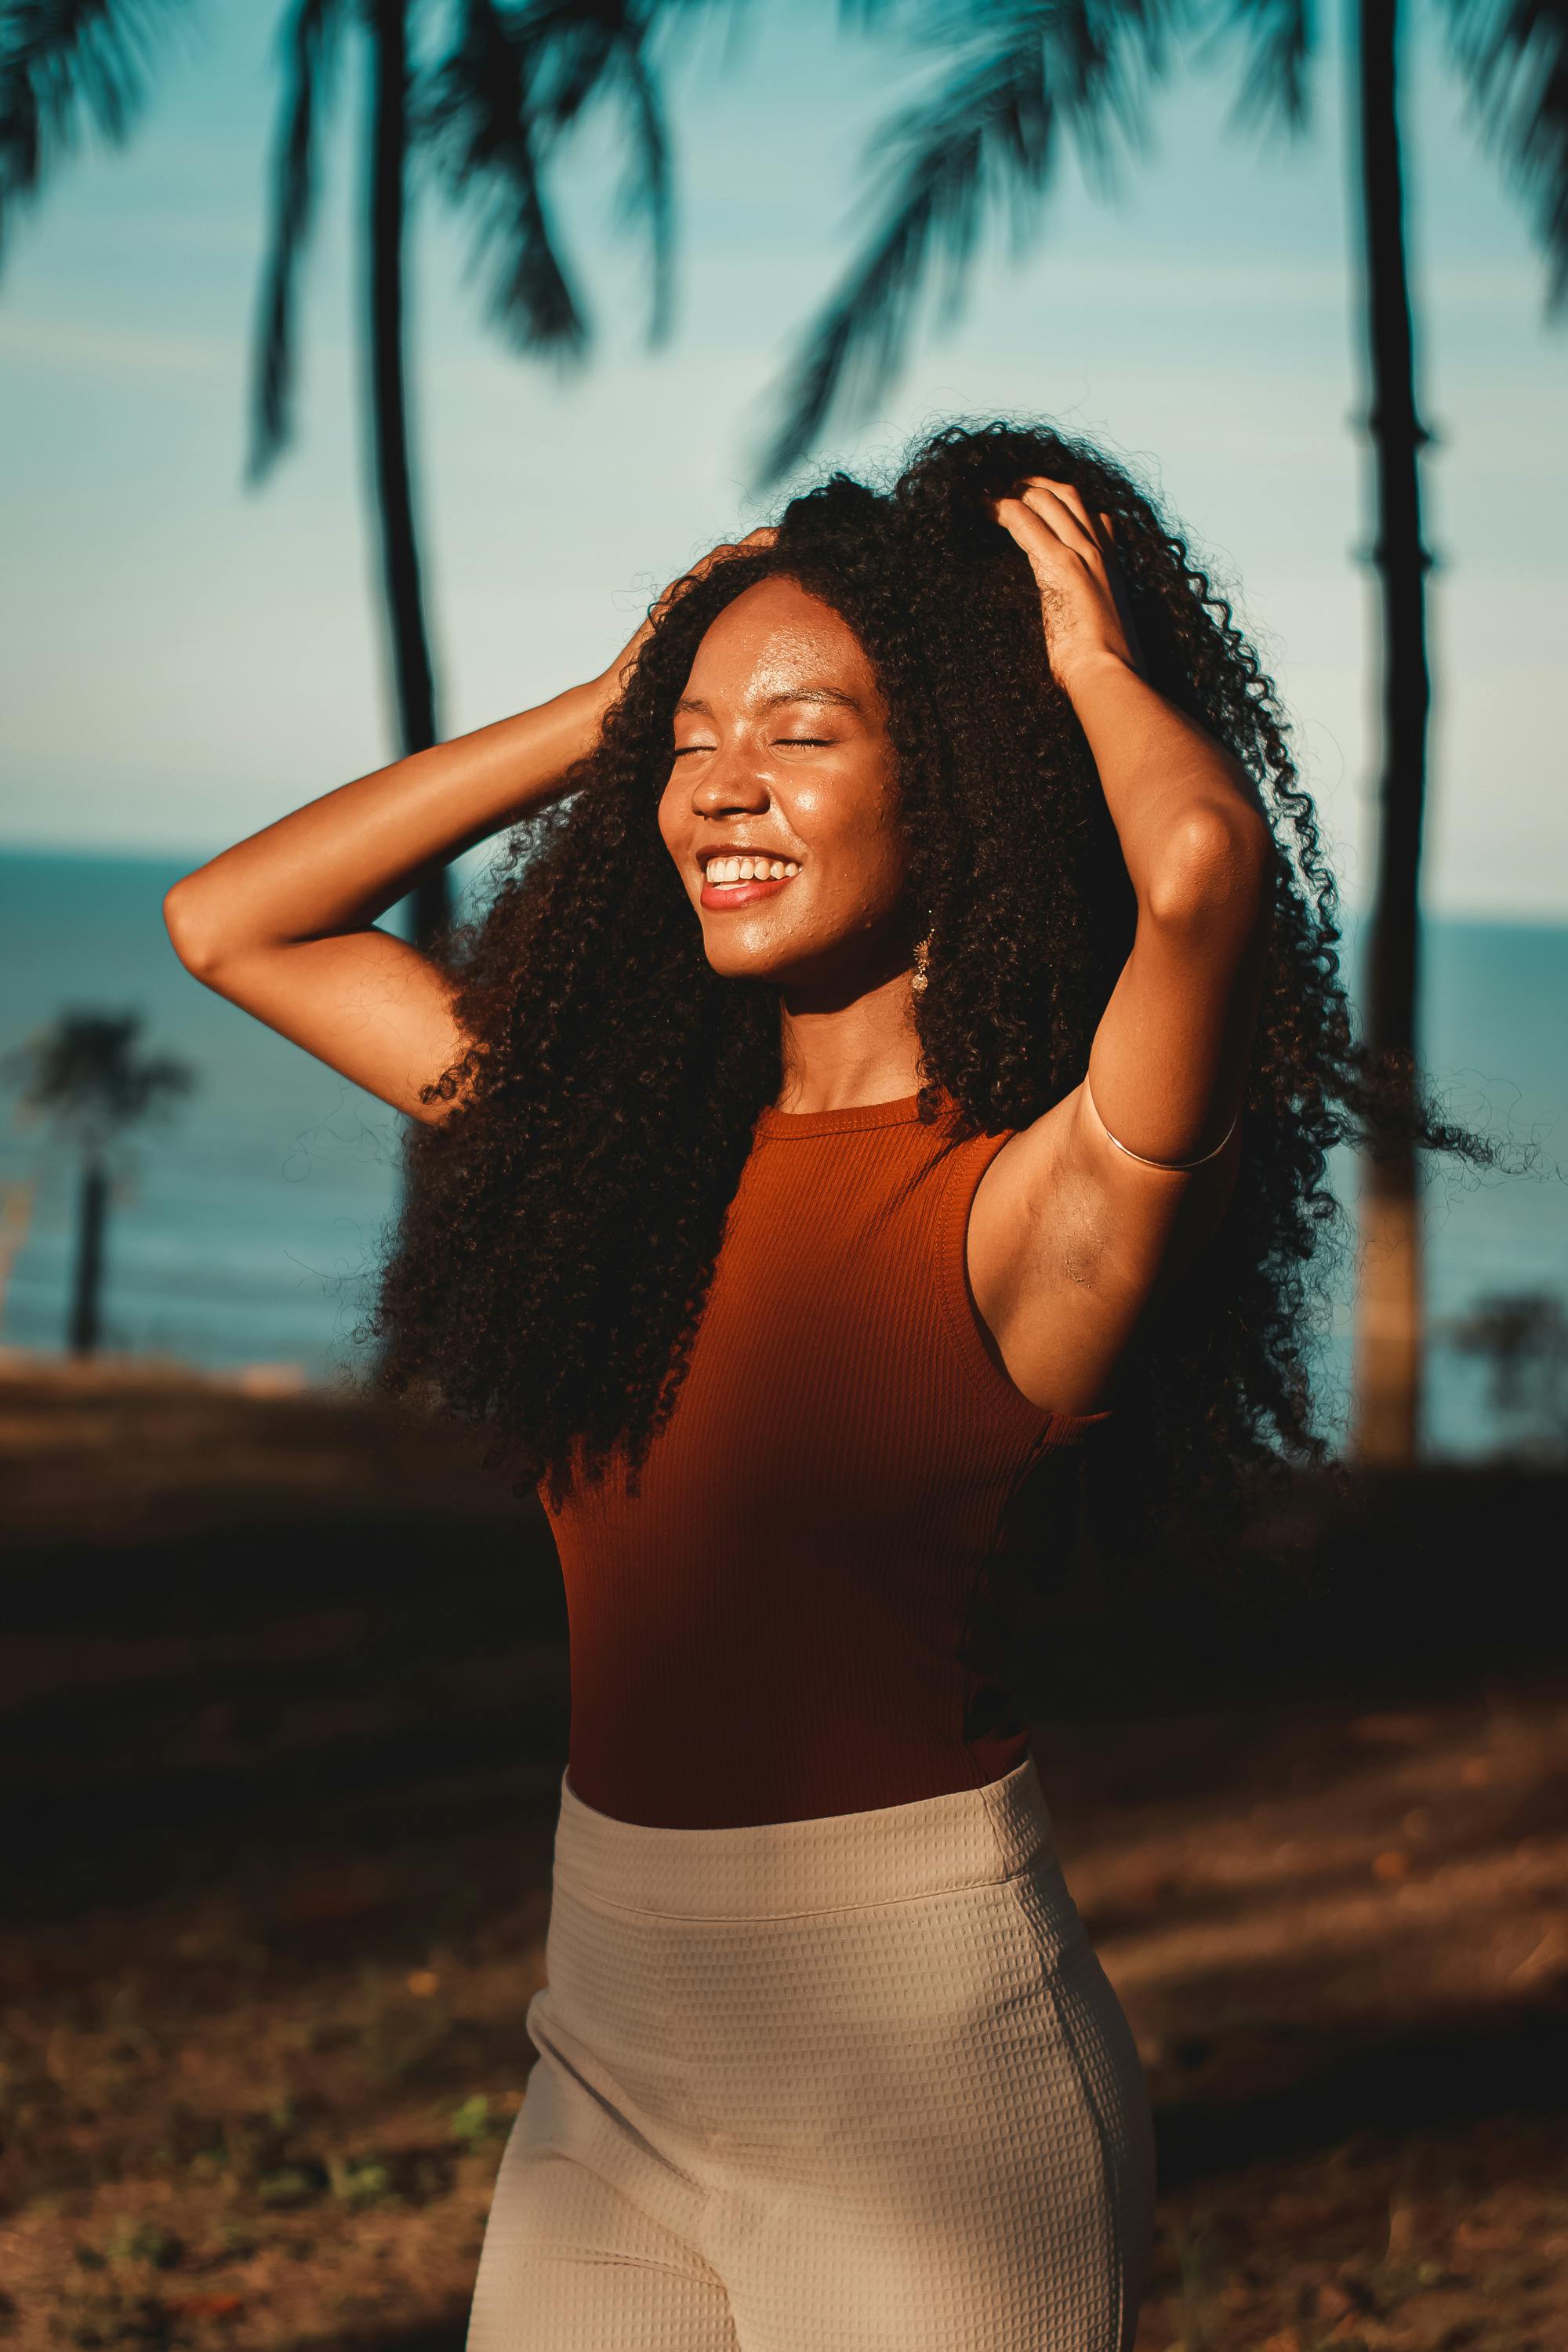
{"x": 739, "y": 963}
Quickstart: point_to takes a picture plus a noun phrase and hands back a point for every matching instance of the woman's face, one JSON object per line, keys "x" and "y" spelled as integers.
{"x": 781, "y": 755}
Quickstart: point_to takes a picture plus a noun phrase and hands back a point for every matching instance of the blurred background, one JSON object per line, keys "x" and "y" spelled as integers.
{"x": 364, "y": 370}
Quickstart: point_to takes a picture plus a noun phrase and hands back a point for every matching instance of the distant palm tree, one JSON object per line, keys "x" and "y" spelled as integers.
{"x": 491, "y": 108}
{"x": 1015, "y": 82}
{"x": 490, "y": 112}
{"x": 86, "y": 1078}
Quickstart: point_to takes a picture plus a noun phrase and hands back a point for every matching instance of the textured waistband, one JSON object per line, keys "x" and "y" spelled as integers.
{"x": 969, "y": 1837}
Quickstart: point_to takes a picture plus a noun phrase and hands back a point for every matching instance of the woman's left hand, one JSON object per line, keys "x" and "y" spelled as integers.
{"x": 1083, "y": 598}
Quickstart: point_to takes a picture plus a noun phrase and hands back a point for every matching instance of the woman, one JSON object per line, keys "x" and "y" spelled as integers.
{"x": 901, "y": 1070}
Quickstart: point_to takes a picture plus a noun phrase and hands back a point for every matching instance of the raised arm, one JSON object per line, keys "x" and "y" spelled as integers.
{"x": 1118, "y": 1187}
{"x": 283, "y": 924}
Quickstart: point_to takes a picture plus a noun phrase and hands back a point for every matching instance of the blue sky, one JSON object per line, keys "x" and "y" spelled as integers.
{"x": 182, "y": 659}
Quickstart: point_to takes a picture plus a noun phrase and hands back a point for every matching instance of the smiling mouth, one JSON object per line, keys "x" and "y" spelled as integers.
{"x": 738, "y": 881}
{"x": 743, "y": 866}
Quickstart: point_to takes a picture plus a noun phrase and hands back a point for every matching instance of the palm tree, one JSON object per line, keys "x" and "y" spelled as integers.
{"x": 1390, "y": 1321}
{"x": 1018, "y": 78}
{"x": 490, "y": 110}
{"x": 87, "y": 1079}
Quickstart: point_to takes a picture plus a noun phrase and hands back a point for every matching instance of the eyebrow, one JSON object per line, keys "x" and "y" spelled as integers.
{"x": 795, "y": 694}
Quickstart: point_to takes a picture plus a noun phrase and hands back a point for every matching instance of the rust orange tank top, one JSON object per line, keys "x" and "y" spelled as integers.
{"x": 782, "y": 1622}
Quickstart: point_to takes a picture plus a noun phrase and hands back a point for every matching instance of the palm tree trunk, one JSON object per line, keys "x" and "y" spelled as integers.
{"x": 86, "y": 1287}
{"x": 388, "y": 23}
{"x": 1389, "y": 1321}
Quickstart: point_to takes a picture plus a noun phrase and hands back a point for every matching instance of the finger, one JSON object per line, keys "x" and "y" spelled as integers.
{"x": 1070, "y": 495}
{"x": 1026, "y": 523}
{"x": 1039, "y": 541}
{"x": 763, "y": 536}
{"x": 1069, "y": 492}
{"x": 1073, "y": 498}
{"x": 1068, "y": 521}
{"x": 1059, "y": 494}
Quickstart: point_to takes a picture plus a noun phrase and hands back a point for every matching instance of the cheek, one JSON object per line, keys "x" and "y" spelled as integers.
{"x": 856, "y": 832}
{"x": 670, "y": 829}
{"x": 849, "y": 807}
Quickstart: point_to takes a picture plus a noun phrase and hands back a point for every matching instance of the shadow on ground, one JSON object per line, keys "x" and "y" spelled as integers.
{"x": 283, "y": 1711}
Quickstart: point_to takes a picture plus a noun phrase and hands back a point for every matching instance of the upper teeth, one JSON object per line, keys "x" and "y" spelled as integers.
{"x": 750, "y": 869}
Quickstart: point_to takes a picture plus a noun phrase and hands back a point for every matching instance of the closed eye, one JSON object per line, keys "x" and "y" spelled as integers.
{"x": 805, "y": 742}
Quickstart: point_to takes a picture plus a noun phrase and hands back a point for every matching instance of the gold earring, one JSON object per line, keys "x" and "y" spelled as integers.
{"x": 920, "y": 976}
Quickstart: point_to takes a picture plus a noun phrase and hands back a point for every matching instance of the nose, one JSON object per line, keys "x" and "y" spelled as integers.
{"x": 729, "y": 781}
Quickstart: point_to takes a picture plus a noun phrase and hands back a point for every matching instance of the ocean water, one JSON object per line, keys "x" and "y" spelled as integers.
{"x": 246, "y": 1230}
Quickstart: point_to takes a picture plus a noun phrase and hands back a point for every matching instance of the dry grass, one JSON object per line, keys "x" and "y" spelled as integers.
{"x": 286, "y": 1825}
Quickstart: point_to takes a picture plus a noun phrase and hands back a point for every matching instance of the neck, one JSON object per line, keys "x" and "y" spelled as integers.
{"x": 839, "y": 1052}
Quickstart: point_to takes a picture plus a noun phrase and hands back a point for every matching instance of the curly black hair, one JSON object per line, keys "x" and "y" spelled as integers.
{"x": 560, "y": 1226}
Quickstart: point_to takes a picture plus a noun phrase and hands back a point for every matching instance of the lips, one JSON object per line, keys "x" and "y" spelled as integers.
{"x": 720, "y": 896}
{"x": 723, "y": 890}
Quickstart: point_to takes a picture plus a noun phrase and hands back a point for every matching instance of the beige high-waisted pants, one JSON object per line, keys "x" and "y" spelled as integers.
{"x": 849, "y": 2084}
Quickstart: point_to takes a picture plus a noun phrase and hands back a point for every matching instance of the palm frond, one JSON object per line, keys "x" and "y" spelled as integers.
{"x": 307, "y": 45}
{"x": 587, "y": 56}
{"x": 1278, "y": 37}
{"x": 86, "y": 1074}
{"x": 480, "y": 118}
{"x": 1514, "y": 55}
{"x": 867, "y": 15}
{"x": 647, "y": 192}
{"x": 985, "y": 141}
{"x": 935, "y": 192}
{"x": 64, "y": 63}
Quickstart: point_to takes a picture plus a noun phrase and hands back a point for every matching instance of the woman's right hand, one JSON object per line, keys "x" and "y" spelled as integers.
{"x": 283, "y": 924}
{"x": 763, "y": 536}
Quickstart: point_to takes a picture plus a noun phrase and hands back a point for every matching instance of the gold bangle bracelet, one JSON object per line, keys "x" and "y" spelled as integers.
{"x": 1171, "y": 1167}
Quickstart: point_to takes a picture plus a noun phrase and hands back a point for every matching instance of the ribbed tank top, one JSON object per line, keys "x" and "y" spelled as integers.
{"x": 791, "y": 1617}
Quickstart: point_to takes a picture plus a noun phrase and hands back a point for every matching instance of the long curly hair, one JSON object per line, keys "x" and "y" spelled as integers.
{"x": 560, "y": 1226}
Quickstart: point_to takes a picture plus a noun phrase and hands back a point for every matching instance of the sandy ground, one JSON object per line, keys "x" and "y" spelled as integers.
{"x": 285, "y": 1830}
